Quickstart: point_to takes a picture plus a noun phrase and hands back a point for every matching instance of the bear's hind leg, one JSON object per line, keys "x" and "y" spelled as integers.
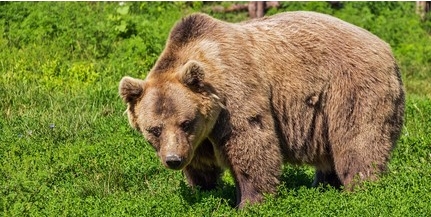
{"x": 353, "y": 168}
{"x": 326, "y": 178}
{"x": 364, "y": 123}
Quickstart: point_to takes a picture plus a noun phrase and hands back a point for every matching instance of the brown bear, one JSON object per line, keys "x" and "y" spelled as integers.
{"x": 297, "y": 87}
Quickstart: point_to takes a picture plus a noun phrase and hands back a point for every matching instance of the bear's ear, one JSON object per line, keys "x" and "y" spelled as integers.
{"x": 130, "y": 89}
{"x": 192, "y": 75}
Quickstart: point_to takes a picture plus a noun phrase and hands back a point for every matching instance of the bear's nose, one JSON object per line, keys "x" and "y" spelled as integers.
{"x": 173, "y": 161}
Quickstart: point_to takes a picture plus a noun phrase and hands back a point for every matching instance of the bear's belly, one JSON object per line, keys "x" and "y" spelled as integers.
{"x": 302, "y": 129}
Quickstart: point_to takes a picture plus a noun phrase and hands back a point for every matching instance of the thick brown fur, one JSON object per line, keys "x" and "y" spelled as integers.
{"x": 298, "y": 87}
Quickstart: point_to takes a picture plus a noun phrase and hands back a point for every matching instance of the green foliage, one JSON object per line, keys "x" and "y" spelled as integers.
{"x": 78, "y": 41}
{"x": 66, "y": 147}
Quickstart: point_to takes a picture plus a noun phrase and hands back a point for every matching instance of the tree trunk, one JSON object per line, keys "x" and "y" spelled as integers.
{"x": 255, "y": 9}
{"x": 422, "y": 8}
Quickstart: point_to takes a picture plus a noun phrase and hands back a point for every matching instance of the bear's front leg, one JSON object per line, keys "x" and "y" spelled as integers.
{"x": 255, "y": 160}
{"x": 204, "y": 177}
{"x": 203, "y": 171}
{"x": 247, "y": 191}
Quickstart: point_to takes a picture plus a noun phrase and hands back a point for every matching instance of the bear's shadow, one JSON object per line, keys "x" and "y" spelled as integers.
{"x": 292, "y": 178}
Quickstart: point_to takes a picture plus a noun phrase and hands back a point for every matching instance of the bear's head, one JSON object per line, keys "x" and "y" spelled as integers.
{"x": 175, "y": 110}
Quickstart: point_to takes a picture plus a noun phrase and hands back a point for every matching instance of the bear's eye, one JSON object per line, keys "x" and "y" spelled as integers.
{"x": 156, "y": 131}
{"x": 186, "y": 125}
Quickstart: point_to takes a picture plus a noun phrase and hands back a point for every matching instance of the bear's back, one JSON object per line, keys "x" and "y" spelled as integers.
{"x": 314, "y": 40}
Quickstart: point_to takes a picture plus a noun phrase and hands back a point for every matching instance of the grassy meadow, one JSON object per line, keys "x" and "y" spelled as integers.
{"x": 66, "y": 148}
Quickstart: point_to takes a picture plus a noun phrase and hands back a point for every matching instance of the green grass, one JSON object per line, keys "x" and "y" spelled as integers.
{"x": 66, "y": 148}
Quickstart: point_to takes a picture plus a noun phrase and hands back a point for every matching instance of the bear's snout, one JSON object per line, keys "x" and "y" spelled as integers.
{"x": 173, "y": 161}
